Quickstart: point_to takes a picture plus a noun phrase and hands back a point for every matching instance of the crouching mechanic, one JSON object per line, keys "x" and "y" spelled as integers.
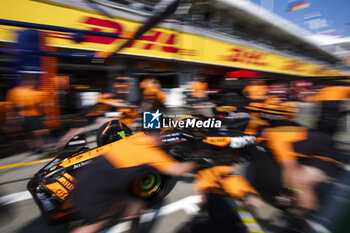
{"x": 105, "y": 183}
{"x": 219, "y": 185}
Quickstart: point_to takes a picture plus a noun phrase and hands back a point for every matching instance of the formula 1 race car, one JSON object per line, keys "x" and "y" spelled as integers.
{"x": 52, "y": 186}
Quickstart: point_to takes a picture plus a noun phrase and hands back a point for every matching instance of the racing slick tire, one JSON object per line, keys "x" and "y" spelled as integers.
{"x": 152, "y": 186}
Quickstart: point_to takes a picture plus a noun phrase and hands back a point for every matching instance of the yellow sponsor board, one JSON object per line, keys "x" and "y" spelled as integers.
{"x": 158, "y": 42}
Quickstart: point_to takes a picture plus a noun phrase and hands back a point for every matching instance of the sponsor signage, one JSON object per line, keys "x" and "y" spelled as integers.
{"x": 159, "y": 42}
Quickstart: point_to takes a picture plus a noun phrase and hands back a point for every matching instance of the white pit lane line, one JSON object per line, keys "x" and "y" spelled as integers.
{"x": 15, "y": 197}
{"x": 187, "y": 204}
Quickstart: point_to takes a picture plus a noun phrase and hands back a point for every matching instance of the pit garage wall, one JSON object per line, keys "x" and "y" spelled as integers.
{"x": 159, "y": 42}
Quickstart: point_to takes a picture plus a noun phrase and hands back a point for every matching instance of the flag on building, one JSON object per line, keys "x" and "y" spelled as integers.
{"x": 297, "y": 5}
